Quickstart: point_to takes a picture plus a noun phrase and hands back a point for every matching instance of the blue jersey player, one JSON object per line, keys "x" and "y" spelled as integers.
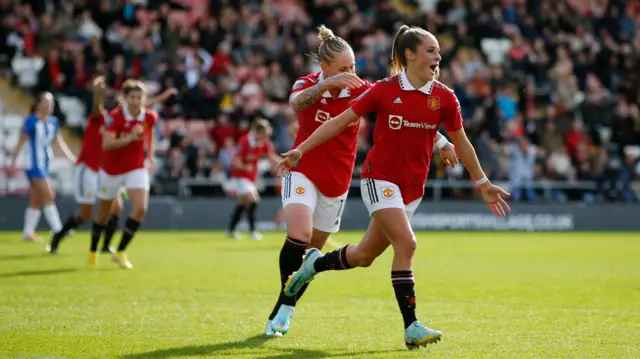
{"x": 39, "y": 132}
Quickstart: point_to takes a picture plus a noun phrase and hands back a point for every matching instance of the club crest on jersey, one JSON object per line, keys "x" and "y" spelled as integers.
{"x": 395, "y": 122}
{"x": 433, "y": 102}
{"x": 300, "y": 191}
{"x": 388, "y": 193}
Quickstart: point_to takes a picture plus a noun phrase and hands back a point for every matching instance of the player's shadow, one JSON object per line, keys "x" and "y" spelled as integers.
{"x": 241, "y": 347}
{"x": 29, "y": 273}
{"x": 228, "y": 350}
{"x": 11, "y": 257}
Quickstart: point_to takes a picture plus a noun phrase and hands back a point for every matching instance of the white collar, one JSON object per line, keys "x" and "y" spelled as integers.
{"x": 252, "y": 141}
{"x": 407, "y": 86}
{"x": 129, "y": 117}
{"x": 343, "y": 93}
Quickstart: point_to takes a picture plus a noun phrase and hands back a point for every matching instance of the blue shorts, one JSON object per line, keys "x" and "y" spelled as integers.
{"x": 36, "y": 173}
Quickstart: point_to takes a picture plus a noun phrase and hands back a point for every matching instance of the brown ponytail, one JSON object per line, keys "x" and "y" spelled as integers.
{"x": 398, "y": 60}
{"x": 407, "y": 38}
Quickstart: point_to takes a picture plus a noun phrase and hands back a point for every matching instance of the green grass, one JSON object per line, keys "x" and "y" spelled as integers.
{"x": 196, "y": 295}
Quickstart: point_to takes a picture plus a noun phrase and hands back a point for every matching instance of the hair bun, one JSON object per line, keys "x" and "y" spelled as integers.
{"x": 325, "y": 33}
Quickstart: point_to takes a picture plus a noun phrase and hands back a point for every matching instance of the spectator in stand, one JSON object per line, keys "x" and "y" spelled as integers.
{"x": 561, "y": 61}
{"x": 523, "y": 160}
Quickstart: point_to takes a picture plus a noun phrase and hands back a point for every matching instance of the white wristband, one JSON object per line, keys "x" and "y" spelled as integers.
{"x": 482, "y": 180}
{"x": 442, "y": 142}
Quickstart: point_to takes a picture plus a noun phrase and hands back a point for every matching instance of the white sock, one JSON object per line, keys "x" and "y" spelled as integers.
{"x": 53, "y": 218}
{"x": 31, "y": 219}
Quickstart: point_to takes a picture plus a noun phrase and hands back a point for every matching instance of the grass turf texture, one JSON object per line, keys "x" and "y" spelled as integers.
{"x": 192, "y": 295}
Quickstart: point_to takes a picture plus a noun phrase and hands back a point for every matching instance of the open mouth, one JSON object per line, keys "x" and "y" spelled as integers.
{"x": 434, "y": 67}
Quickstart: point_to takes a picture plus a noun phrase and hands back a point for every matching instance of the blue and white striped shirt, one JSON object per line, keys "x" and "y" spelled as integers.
{"x": 41, "y": 135}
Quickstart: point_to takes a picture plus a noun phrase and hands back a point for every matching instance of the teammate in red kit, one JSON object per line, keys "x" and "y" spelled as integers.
{"x": 244, "y": 171}
{"x": 314, "y": 192}
{"x": 130, "y": 128}
{"x": 87, "y": 167}
{"x": 410, "y": 105}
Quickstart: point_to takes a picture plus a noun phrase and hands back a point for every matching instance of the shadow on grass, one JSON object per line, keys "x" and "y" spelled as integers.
{"x": 223, "y": 350}
{"x": 10, "y": 257}
{"x": 29, "y": 273}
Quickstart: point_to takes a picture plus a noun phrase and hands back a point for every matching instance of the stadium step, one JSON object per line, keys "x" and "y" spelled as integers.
{"x": 13, "y": 99}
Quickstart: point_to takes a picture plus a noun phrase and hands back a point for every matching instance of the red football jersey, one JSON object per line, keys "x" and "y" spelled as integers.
{"x": 131, "y": 156}
{"x": 406, "y": 125}
{"x": 91, "y": 152}
{"x": 249, "y": 152}
{"x": 329, "y": 166}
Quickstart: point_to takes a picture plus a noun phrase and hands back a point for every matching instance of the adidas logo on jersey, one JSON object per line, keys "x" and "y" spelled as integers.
{"x": 323, "y": 101}
{"x": 398, "y": 100}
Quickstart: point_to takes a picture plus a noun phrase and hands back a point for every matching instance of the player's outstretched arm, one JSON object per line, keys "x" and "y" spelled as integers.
{"x": 492, "y": 194}
{"x": 64, "y": 148}
{"x": 98, "y": 97}
{"x": 14, "y": 156}
{"x": 326, "y": 131}
{"x": 164, "y": 96}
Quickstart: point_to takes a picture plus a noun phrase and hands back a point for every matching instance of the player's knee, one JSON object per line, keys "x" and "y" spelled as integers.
{"x": 406, "y": 246}
{"x": 103, "y": 211}
{"x": 85, "y": 213}
{"x": 300, "y": 233}
{"x": 116, "y": 207}
{"x": 48, "y": 198}
{"x": 138, "y": 212}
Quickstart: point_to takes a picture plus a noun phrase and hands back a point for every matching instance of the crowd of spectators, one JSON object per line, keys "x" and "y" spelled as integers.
{"x": 559, "y": 102}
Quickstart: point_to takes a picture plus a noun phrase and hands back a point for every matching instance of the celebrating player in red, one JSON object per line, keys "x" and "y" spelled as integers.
{"x": 123, "y": 164}
{"x": 87, "y": 167}
{"x": 315, "y": 191}
{"x": 410, "y": 107}
{"x": 244, "y": 171}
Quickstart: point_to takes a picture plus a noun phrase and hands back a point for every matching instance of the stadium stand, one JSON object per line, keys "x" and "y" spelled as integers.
{"x": 548, "y": 88}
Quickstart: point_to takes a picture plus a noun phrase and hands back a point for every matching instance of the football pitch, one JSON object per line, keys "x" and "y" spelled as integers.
{"x": 200, "y": 295}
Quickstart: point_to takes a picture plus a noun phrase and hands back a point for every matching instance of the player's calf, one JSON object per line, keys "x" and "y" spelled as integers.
{"x": 131, "y": 226}
{"x": 96, "y": 233}
{"x": 290, "y": 259}
{"x": 236, "y": 216}
{"x": 110, "y": 229}
{"x": 73, "y": 222}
